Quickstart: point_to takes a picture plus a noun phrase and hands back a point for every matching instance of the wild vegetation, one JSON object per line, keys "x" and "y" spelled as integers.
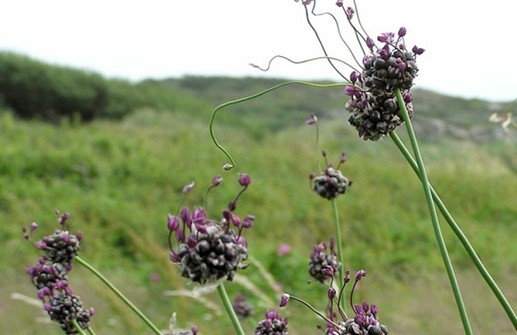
{"x": 122, "y": 173}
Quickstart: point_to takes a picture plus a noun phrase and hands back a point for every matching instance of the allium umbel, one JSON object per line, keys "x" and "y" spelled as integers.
{"x": 331, "y": 183}
{"x": 209, "y": 250}
{"x": 273, "y": 324}
{"x": 50, "y": 277}
{"x": 323, "y": 262}
{"x": 337, "y": 322}
{"x": 373, "y": 105}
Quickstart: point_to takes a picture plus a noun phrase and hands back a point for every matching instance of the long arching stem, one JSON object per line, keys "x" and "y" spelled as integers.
{"x": 231, "y": 165}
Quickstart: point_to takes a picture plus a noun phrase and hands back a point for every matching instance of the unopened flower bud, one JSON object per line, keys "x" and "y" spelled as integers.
{"x": 284, "y": 299}
{"x": 244, "y": 179}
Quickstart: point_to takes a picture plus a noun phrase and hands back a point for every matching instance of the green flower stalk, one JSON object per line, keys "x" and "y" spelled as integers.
{"x": 434, "y": 218}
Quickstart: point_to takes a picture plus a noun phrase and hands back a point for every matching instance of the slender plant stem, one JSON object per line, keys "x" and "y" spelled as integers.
{"x": 119, "y": 294}
{"x": 90, "y": 331}
{"x": 434, "y": 218}
{"x": 78, "y": 327}
{"x": 460, "y": 235}
{"x": 231, "y": 165}
{"x": 229, "y": 309}
{"x": 339, "y": 242}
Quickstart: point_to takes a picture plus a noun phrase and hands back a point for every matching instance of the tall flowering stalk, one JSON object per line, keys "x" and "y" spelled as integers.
{"x": 379, "y": 101}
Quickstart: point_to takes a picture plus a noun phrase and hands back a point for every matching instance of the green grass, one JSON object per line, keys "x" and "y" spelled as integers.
{"x": 119, "y": 180}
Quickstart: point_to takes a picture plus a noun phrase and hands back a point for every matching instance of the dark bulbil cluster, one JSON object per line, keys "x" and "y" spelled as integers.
{"x": 242, "y": 308}
{"x": 323, "y": 263}
{"x": 212, "y": 250}
{"x": 50, "y": 277}
{"x": 373, "y": 104}
{"x": 273, "y": 324}
{"x": 65, "y": 308}
{"x": 331, "y": 183}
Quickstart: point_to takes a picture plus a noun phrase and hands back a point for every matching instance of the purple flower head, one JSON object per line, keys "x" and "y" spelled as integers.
{"x": 173, "y": 223}
{"x": 248, "y": 220}
{"x": 351, "y": 90}
{"x": 331, "y": 293}
{"x": 417, "y": 51}
{"x": 370, "y": 43}
{"x": 231, "y": 218}
{"x": 323, "y": 263}
{"x": 273, "y": 324}
{"x": 402, "y": 32}
{"x": 386, "y": 37}
{"x": 217, "y": 181}
{"x": 63, "y": 218}
{"x": 207, "y": 250}
{"x": 284, "y": 298}
{"x": 311, "y": 120}
{"x": 244, "y": 179}
{"x": 199, "y": 216}
{"x": 187, "y": 188}
{"x": 283, "y": 250}
{"x": 349, "y": 11}
{"x": 194, "y": 330}
{"x": 354, "y": 76}
{"x": 360, "y": 275}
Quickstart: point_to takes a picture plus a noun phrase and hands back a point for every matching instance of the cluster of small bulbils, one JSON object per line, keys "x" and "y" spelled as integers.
{"x": 330, "y": 183}
{"x": 273, "y": 324}
{"x": 364, "y": 321}
{"x": 210, "y": 250}
{"x": 373, "y": 104}
{"x": 323, "y": 261}
{"x": 50, "y": 276}
{"x": 242, "y": 307}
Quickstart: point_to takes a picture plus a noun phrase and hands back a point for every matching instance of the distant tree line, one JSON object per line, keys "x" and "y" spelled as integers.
{"x": 33, "y": 89}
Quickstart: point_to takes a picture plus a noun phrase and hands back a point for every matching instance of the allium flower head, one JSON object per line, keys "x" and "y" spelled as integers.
{"x": 330, "y": 184}
{"x": 273, "y": 324}
{"x": 209, "y": 250}
{"x": 364, "y": 320}
{"x": 50, "y": 277}
{"x": 373, "y": 107}
{"x": 65, "y": 308}
{"x": 60, "y": 247}
{"x": 242, "y": 307}
{"x": 323, "y": 262}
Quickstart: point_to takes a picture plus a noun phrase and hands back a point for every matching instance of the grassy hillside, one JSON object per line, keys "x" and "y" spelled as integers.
{"x": 120, "y": 176}
{"x": 119, "y": 181}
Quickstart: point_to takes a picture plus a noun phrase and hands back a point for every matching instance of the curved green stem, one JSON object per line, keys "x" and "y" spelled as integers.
{"x": 460, "y": 235}
{"x": 265, "y": 69}
{"x": 231, "y": 165}
{"x": 341, "y": 274}
{"x": 90, "y": 331}
{"x": 119, "y": 294}
{"x": 434, "y": 218}
{"x": 229, "y": 309}
{"x": 77, "y": 327}
{"x": 321, "y": 42}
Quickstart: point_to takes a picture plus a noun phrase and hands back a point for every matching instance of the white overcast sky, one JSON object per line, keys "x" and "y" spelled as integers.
{"x": 470, "y": 44}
